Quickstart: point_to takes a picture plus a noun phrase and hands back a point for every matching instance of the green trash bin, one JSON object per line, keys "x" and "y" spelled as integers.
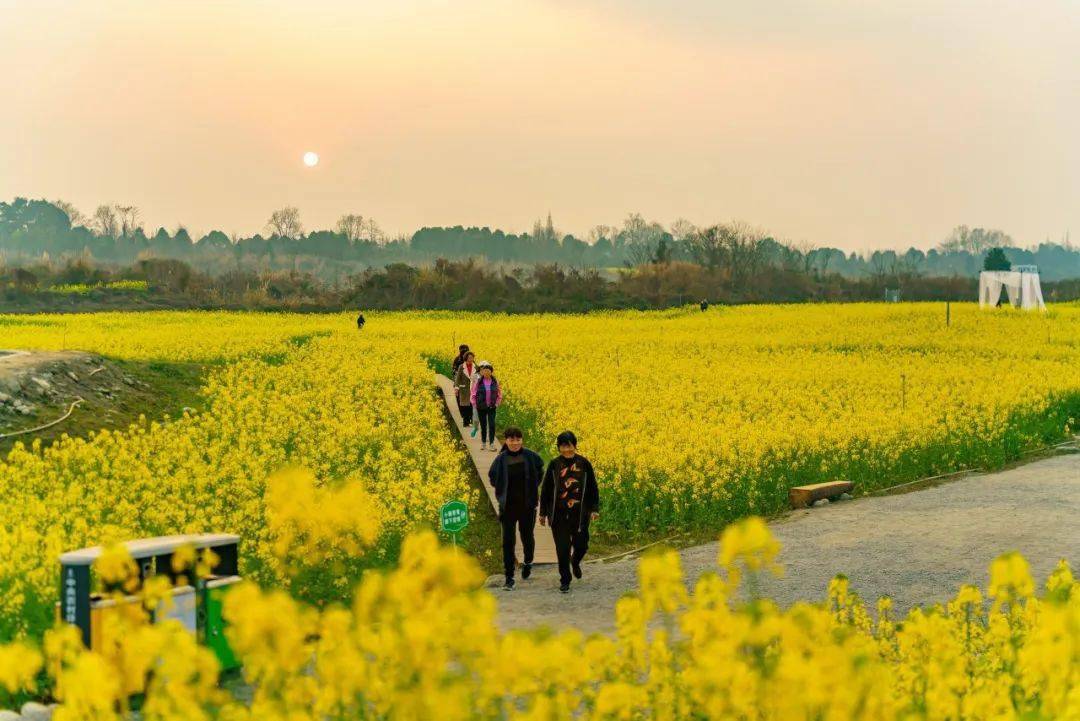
{"x": 211, "y": 620}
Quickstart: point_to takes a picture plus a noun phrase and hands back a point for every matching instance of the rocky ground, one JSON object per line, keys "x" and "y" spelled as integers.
{"x": 38, "y": 388}
{"x": 42, "y": 386}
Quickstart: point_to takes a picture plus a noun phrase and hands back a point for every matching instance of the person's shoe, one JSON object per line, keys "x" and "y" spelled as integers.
{"x": 483, "y": 446}
{"x": 575, "y": 566}
{"x": 526, "y": 570}
{"x": 564, "y": 588}
{"x": 509, "y": 585}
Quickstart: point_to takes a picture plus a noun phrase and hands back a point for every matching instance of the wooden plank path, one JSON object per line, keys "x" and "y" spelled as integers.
{"x": 545, "y": 545}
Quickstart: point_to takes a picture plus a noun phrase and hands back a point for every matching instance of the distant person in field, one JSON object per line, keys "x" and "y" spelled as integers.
{"x": 464, "y": 378}
{"x": 569, "y": 501}
{"x": 360, "y": 322}
{"x": 704, "y": 306}
{"x": 515, "y": 475}
{"x": 486, "y": 398}
{"x": 460, "y": 357}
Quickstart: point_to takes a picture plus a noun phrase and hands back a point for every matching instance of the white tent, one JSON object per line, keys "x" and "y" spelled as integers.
{"x": 1022, "y": 285}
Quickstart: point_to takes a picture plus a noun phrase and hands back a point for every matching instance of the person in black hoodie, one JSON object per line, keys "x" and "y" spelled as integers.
{"x": 515, "y": 476}
{"x": 460, "y": 357}
{"x": 569, "y": 501}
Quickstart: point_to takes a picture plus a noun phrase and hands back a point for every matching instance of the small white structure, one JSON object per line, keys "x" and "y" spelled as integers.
{"x": 1021, "y": 283}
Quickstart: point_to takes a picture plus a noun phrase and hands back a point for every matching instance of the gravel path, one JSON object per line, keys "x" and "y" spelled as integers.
{"x": 916, "y": 547}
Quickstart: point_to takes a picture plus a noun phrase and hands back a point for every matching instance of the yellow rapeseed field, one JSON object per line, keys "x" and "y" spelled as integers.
{"x": 692, "y": 420}
{"x": 351, "y": 411}
{"x": 422, "y": 643}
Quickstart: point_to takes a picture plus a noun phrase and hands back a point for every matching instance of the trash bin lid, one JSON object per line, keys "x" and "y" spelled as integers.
{"x": 146, "y": 547}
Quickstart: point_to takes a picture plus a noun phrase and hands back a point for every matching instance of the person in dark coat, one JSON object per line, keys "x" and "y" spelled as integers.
{"x": 515, "y": 475}
{"x": 460, "y": 358}
{"x": 704, "y": 306}
{"x": 569, "y": 501}
{"x": 360, "y": 322}
{"x": 464, "y": 377}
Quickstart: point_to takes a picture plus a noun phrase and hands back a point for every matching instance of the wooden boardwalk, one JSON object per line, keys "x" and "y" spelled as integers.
{"x": 545, "y": 546}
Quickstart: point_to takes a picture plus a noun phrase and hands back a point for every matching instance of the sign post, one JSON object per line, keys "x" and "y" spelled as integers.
{"x": 454, "y": 517}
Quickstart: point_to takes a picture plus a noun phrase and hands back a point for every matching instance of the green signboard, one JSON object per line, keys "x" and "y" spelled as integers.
{"x": 454, "y": 517}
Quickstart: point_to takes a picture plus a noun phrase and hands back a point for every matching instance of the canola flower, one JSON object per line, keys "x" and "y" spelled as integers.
{"x": 692, "y": 420}
{"x": 421, "y": 642}
{"x": 696, "y": 419}
{"x": 357, "y": 412}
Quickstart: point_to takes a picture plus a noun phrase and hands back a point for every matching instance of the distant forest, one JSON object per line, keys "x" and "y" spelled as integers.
{"x": 37, "y": 231}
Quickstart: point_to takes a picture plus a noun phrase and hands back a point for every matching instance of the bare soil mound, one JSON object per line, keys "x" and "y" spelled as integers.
{"x": 38, "y": 388}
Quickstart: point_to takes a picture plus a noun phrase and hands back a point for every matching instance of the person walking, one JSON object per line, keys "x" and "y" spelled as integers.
{"x": 486, "y": 398}
{"x": 569, "y": 501}
{"x": 460, "y": 357}
{"x": 464, "y": 377}
{"x": 515, "y": 475}
{"x": 360, "y": 322}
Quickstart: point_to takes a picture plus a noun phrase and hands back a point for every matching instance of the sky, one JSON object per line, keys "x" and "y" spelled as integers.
{"x": 860, "y": 124}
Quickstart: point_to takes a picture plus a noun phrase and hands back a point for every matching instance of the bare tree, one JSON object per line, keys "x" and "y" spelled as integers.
{"x": 285, "y": 223}
{"x": 129, "y": 219}
{"x": 640, "y": 238}
{"x": 105, "y": 221}
{"x": 747, "y": 251}
{"x": 708, "y": 247}
{"x": 600, "y": 232}
{"x": 374, "y": 233}
{"x": 974, "y": 240}
{"x": 736, "y": 246}
{"x": 73, "y": 213}
{"x": 352, "y": 226}
{"x": 682, "y": 229}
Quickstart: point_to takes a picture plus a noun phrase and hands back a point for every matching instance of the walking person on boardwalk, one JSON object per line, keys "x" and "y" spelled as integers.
{"x": 486, "y": 398}
{"x": 569, "y": 501}
{"x": 464, "y": 377}
{"x": 515, "y": 475}
{"x": 460, "y": 357}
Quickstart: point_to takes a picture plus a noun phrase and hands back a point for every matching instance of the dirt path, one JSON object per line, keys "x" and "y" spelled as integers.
{"x": 916, "y": 547}
{"x": 545, "y": 546}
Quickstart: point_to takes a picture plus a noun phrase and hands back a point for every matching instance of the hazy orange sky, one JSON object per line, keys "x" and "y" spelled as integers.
{"x": 855, "y": 123}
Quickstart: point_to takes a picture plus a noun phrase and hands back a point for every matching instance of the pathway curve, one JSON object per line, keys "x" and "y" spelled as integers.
{"x": 918, "y": 547}
{"x": 545, "y": 546}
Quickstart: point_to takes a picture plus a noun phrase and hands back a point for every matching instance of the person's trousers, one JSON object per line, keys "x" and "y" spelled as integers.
{"x": 571, "y": 544}
{"x": 511, "y": 526}
{"x": 487, "y": 424}
{"x": 466, "y": 414}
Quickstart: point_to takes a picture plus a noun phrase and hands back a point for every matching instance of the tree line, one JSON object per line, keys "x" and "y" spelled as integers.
{"x": 76, "y": 285}
{"x": 36, "y": 230}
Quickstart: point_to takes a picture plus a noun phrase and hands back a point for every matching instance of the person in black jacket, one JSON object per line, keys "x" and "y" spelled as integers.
{"x": 569, "y": 501}
{"x": 515, "y": 476}
{"x": 460, "y": 357}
